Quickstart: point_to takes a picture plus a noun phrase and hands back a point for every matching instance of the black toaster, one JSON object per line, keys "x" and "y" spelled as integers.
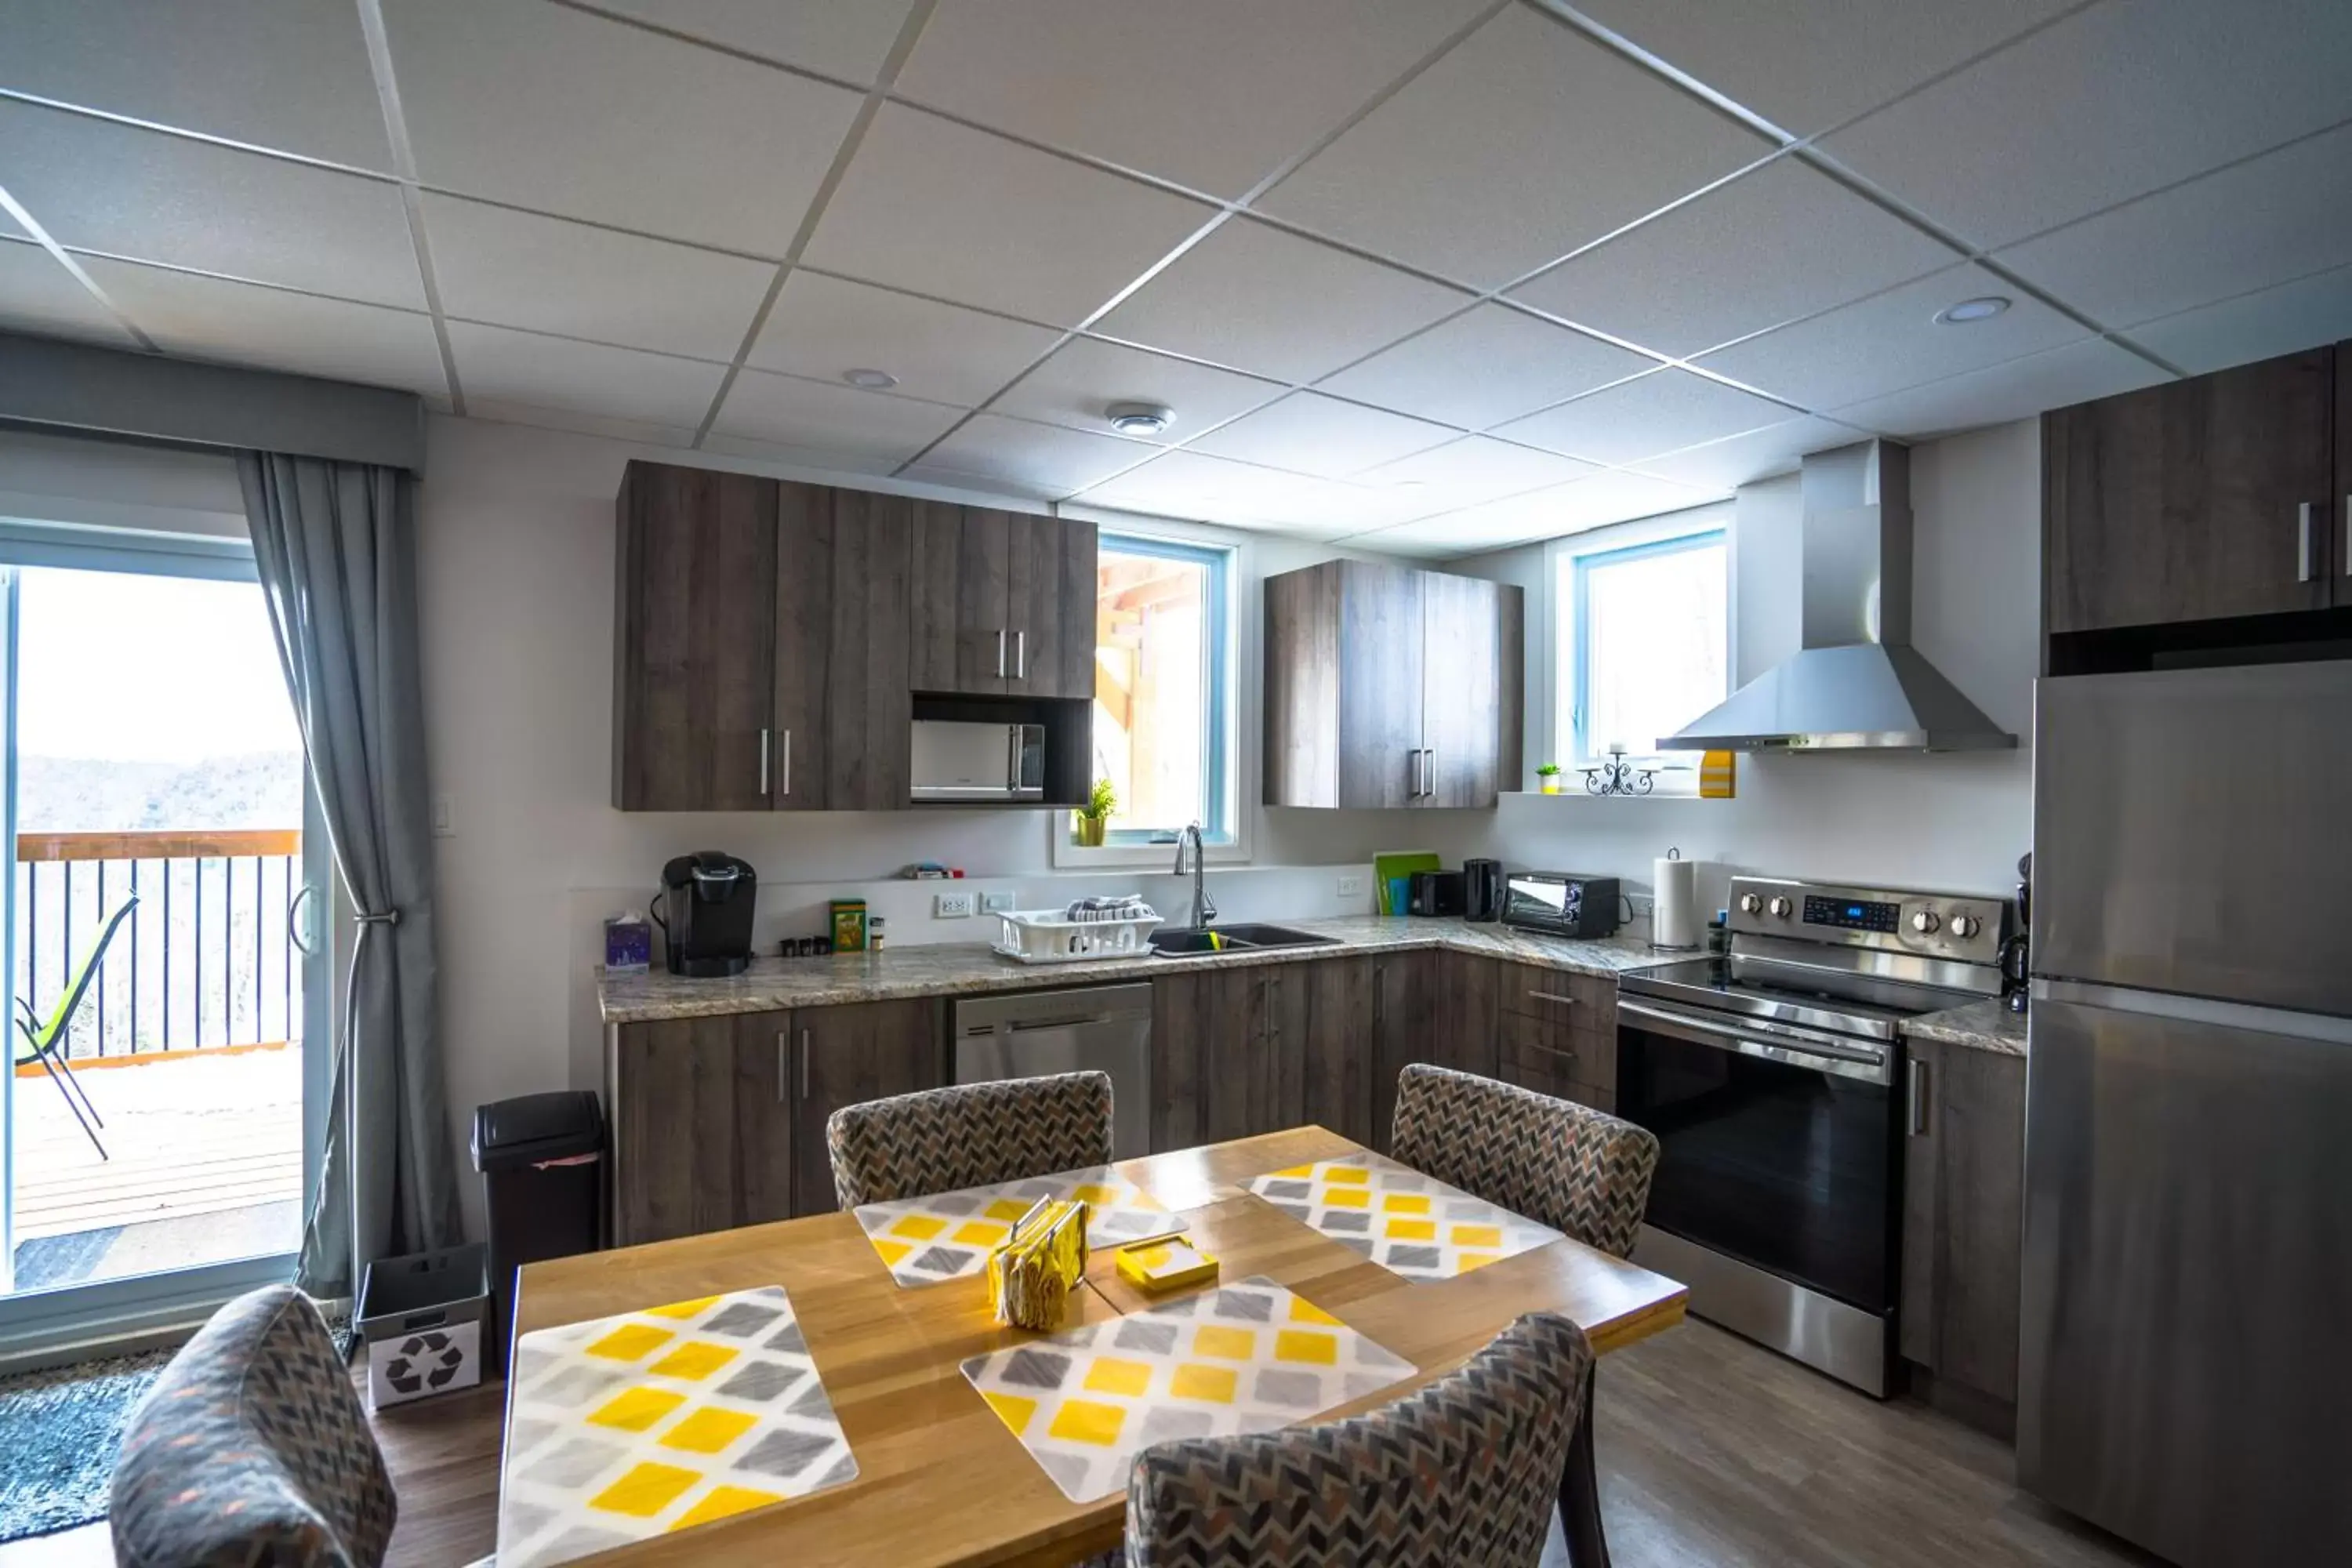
{"x": 1561, "y": 903}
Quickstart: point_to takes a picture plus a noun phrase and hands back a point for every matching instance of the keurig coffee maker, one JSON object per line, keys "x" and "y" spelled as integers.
{"x": 705, "y": 913}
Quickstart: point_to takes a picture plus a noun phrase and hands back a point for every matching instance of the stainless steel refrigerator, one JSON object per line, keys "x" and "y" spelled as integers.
{"x": 2186, "y": 1367}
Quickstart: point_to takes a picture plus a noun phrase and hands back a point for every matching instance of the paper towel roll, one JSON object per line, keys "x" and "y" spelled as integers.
{"x": 1673, "y": 916}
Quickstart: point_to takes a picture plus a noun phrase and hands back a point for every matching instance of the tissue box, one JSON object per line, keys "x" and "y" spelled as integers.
{"x": 628, "y": 944}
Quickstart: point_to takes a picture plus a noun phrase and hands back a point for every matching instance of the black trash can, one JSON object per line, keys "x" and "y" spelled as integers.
{"x": 543, "y": 1161}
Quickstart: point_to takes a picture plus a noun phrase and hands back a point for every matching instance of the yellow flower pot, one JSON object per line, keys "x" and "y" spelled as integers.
{"x": 1090, "y": 829}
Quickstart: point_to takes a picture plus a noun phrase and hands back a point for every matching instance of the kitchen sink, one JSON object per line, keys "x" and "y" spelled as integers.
{"x": 1183, "y": 942}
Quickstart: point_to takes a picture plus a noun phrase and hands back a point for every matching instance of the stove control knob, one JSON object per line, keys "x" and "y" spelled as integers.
{"x": 1780, "y": 907}
{"x": 1925, "y": 922}
{"x": 1750, "y": 903}
{"x": 1966, "y": 926}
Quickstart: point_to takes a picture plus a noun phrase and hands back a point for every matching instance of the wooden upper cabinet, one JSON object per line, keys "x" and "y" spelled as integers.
{"x": 2199, "y": 500}
{"x": 694, "y": 639}
{"x": 1390, "y": 686}
{"x": 842, "y": 650}
{"x": 2339, "y": 531}
{"x": 1002, "y": 603}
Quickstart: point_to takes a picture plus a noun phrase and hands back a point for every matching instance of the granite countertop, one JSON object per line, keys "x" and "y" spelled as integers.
{"x": 1987, "y": 1026}
{"x": 946, "y": 969}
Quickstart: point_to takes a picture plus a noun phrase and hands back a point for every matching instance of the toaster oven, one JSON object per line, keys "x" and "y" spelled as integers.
{"x": 1561, "y": 903}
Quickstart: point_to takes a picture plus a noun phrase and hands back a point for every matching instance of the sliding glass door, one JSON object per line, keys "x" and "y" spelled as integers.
{"x": 165, "y": 929}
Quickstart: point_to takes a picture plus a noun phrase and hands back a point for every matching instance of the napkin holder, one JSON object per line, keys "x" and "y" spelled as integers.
{"x": 1033, "y": 1273}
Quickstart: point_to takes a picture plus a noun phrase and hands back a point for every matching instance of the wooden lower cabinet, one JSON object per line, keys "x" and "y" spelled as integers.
{"x": 1963, "y": 1223}
{"x": 1259, "y": 1048}
{"x": 1557, "y": 1033}
{"x": 719, "y": 1122}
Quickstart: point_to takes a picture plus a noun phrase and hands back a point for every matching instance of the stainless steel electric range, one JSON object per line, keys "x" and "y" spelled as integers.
{"x": 1770, "y": 1076}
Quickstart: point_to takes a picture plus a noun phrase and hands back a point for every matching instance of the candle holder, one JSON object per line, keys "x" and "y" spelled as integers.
{"x": 1619, "y": 776}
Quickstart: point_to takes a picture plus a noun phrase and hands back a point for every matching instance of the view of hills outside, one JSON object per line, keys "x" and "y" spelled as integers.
{"x": 152, "y": 704}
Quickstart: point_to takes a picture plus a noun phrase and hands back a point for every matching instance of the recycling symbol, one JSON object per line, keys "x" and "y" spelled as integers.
{"x": 425, "y": 1361}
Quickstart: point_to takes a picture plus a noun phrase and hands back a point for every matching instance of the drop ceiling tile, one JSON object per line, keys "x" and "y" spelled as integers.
{"x": 1472, "y": 470}
{"x": 846, "y": 40}
{"x": 1524, "y": 142}
{"x": 518, "y": 270}
{"x": 1085, "y": 377}
{"x": 1619, "y": 497}
{"x": 2293, "y": 316}
{"x": 1781, "y": 242}
{"x": 1807, "y": 65}
{"x": 1740, "y": 459}
{"x": 97, "y": 185}
{"x": 1486, "y": 365}
{"x": 2112, "y": 102}
{"x": 941, "y": 209}
{"x": 826, "y": 416}
{"x": 726, "y": 445}
{"x": 823, "y": 326}
{"x": 288, "y": 74}
{"x": 578, "y": 422}
{"x": 1188, "y": 484}
{"x": 2283, "y": 215}
{"x": 1308, "y": 433}
{"x": 1659, "y": 412}
{"x": 1212, "y": 94}
{"x": 1891, "y": 341}
{"x": 2054, "y": 378}
{"x": 1032, "y": 459}
{"x": 38, "y": 295}
{"x": 555, "y": 108}
{"x": 1263, "y": 301}
{"x": 1588, "y": 503}
{"x": 495, "y": 362}
{"x": 243, "y": 323}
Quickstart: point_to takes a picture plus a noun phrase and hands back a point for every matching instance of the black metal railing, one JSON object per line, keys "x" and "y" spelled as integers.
{"x": 207, "y": 958}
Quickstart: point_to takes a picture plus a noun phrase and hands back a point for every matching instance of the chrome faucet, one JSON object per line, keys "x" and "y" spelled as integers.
{"x": 1204, "y": 908}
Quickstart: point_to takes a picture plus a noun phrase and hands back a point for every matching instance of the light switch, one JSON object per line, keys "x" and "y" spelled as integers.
{"x": 445, "y": 816}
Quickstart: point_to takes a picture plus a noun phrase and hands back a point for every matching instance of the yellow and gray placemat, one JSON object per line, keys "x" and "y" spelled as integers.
{"x": 635, "y": 1426}
{"x": 1245, "y": 1357}
{"x": 1409, "y": 1223}
{"x": 950, "y": 1234}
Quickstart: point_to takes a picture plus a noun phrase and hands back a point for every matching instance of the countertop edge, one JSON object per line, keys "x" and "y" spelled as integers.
{"x": 1986, "y": 1025}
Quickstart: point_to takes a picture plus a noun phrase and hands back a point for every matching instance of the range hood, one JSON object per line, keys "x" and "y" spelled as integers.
{"x": 1856, "y": 682}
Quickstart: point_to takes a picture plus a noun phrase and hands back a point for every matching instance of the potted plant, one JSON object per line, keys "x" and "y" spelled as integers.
{"x": 1092, "y": 818}
{"x": 1548, "y": 775}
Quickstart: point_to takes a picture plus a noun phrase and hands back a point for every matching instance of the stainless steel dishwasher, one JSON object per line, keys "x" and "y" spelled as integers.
{"x": 1028, "y": 1034}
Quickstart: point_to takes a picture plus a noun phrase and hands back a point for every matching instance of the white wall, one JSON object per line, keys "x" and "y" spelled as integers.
{"x": 1956, "y": 821}
{"x": 515, "y": 566}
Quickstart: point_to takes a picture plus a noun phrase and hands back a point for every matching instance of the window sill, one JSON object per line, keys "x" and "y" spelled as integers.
{"x": 1068, "y": 856}
{"x": 1665, "y": 788}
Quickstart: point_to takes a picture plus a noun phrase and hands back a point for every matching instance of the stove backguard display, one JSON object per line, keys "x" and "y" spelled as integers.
{"x": 1852, "y": 914}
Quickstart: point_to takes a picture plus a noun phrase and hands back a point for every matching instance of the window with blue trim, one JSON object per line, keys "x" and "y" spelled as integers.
{"x": 1647, "y": 644}
{"x": 1164, "y": 687}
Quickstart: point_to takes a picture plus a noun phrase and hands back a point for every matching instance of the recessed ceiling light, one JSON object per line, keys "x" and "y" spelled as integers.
{"x": 1967, "y": 310}
{"x": 871, "y": 380}
{"x": 1140, "y": 419}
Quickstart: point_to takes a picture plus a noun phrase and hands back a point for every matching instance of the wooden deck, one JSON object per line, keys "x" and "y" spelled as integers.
{"x": 206, "y": 1162}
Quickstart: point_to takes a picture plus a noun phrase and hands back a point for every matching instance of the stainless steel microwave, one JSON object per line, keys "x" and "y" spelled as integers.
{"x": 954, "y": 760}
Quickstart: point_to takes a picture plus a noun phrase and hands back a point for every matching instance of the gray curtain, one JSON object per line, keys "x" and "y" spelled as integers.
{"x": 337, "y": 549}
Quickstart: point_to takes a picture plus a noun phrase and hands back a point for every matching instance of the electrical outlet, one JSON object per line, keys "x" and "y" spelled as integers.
{"x": 1351, "y": 887}
{"x": 951, "y": 906}
{"x": 996, "y": 903}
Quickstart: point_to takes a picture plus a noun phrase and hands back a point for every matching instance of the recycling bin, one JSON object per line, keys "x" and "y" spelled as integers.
{"x": 420, "y": 1316}
{"x": 541, "y": 1159}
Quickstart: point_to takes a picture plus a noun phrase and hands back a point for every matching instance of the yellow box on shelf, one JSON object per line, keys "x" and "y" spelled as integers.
{"x": 1166, "y": 1264}
{"x": 1033, "y": 1269}
{"x": 1718, "y": 775}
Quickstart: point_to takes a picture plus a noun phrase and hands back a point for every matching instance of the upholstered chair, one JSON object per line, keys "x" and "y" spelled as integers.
{"x": 253, "y": 1451}
{"x": 975, "y": 1135}
{"x": 1581, "y": 1171}
{"x": 1461, "y": 1474}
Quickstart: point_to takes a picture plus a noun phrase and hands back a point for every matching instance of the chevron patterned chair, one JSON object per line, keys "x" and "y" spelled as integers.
{"x": 912, "y": 1145}
{"x": 1461, "y": 1474}
{"x": 1580, "y": 1171}
{"x": 253, "y": 1451}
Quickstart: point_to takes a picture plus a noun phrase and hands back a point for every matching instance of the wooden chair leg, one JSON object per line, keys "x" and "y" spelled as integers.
{"x": 1579, "y": 1493}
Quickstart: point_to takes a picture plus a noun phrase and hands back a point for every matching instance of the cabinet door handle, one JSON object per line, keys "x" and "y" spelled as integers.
{"x": 783, "y": 1067}
{"x": 2303, "y": 542}
{"x": 767, "y": 739}
{"x": 804, "y": 1059}
{"x": 1000, "y": 653}
{"x": 788, "y": 762}
{"x": 1380, "y": 994}
{"x": 1553, "y": 997}
{"x": 2344, "y": 561}
{"x": 1020, "y": 656}
{"x": 1915, "y": 1097}
{"x": 1429, "y": 773}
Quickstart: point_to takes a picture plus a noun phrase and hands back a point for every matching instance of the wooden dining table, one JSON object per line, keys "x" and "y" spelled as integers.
{"x": 941, "y": 1480}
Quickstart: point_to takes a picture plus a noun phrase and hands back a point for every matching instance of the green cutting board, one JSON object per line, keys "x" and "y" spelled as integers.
{"x": 1388, "y": 865}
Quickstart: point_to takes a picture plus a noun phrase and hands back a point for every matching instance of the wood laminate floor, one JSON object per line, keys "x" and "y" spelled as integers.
{"x": 1713, "y": 1452}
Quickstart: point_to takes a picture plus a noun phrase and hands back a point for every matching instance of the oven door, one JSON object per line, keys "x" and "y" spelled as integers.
{"x": 1777, "y": 1145}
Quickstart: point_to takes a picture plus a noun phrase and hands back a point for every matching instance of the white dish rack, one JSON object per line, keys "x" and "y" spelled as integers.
{"x": 1051, "y": 936}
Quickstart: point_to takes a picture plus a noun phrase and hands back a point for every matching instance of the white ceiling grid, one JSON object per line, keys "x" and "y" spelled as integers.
{"x": 1436, "y": 275}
